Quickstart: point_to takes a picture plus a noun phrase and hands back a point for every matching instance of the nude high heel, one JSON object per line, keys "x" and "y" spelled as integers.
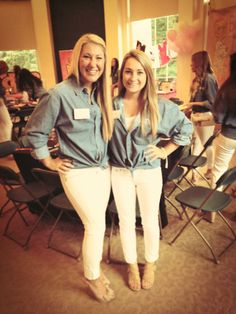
{"x": 134, "y": 281}
{"x": 148, "y": 275}
{"x": 101, "y": 290}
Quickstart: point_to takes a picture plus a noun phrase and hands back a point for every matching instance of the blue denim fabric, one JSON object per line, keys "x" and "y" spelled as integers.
{"x": 80, "y": 139}
{"x": 126, "y": 148}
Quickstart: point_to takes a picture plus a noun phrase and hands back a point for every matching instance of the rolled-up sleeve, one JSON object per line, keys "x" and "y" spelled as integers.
{"x": 174, "y": 124}
{"x": 41, "y": 123}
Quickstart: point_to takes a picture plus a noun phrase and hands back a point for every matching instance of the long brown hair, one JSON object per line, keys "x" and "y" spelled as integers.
{"x": 103, "y": 89}
{"x": 148, "y": 95}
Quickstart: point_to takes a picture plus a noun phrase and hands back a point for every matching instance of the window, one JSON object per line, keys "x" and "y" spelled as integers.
{"x": 151, "y": 33}
{"x": 24, "y": 58}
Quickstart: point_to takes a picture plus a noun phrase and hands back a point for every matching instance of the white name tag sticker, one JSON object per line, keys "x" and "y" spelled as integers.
{"x": 81, "y": 113}
{"x": 116, "y": 114}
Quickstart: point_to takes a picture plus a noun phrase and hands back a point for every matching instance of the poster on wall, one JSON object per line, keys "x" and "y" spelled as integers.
{"x": 64, "y": 56}
{"x": 221, "y": 40}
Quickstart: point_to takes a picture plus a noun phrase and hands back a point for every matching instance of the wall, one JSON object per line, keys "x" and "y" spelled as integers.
{"x": 71, "y": 19}
{"x": 16, "y": 25}
{"x": 151, "y": 9}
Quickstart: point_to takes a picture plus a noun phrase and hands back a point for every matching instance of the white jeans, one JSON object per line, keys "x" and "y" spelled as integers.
{"x": 224, "y": 150}
{"x": 147, "y": 185}
{"x": 201, "y": 135}
{"x": 88, "y": 190}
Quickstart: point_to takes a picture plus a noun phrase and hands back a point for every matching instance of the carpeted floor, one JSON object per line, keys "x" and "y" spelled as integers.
{"x": 42, "y": 281}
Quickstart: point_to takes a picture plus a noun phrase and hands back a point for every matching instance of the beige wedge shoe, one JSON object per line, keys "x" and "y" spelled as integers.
{"x": 101, "y": 290}
{"x": 134, "y": 281}
{"x": 148, "y": 275}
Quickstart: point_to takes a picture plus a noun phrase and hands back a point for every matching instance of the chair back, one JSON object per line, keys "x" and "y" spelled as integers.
{"x": 26, "y": 162}
{"x": 7, "y": 148}
{"x": 8, "y": 175}
{"x": 210, "y": 140}
{"x": 227, "y": 178}
{"x": 184, "y": 152}
{"x": 48, "y": 178}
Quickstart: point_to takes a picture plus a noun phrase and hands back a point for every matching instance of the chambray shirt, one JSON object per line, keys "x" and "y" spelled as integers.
{"x": 126, "y": 148}
{"x": 78, "y": 125}
{"x": 205, "y": 91}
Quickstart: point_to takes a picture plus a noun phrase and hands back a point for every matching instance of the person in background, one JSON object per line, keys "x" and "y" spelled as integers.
{"x": 16, "y": 70}
{"x": 224, "y": 112}
{"x": 203, "y": 92}
{"x": 114, "y": 70}
{"x": 80, "y": 111}
{"x": 114, "y": 75}
{"x": 141, "y": 121}
{"x": 31, "y": 84}
{"x": 5, "y": 122}
{"x": 3, "y": 75}
{"x": 5, "y": 119}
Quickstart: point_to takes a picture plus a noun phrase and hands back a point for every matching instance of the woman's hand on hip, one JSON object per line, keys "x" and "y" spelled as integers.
{"x": 58, "y": 164}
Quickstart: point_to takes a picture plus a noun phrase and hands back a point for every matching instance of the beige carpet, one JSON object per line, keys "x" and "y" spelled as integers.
{"x": 42, "y": 281}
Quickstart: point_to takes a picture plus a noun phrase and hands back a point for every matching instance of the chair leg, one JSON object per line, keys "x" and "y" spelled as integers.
{"x": 77, "y": 256}
{"x": 231, "y": 229}
{"x": 109, "y": 239}
{"x": 173, "y": 205}
{"x": 183, "y": 228}
{"x": 190, "y": 221}
{"x": 3, "y": 206}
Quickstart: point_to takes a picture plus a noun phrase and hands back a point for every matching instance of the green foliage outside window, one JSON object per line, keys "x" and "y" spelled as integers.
{"x": 160, "y": 26}
{"x": 24, "y": 58}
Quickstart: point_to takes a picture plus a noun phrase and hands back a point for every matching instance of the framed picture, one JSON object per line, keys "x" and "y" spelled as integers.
{"x": 64, "y": 56}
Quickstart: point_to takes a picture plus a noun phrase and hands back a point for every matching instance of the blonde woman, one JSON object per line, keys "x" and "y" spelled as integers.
{"x": 141, "y": 120}
{"x": 80, "y": 112}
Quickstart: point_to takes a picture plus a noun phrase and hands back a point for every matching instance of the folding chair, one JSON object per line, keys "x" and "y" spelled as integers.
{"x": 193, "y": 162}
{"x": 203, "y": 199}
{"x": 21, "y": 197}
{"x": 174, "y": 173}
{"x": 9, "y": 179}
{"x": 7, "y": 148}
{"x": 59, "y": 202}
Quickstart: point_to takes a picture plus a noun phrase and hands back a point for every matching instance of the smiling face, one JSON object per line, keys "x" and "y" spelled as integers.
{"x": 134, "y": 77}
{"x": 91, "y": 64}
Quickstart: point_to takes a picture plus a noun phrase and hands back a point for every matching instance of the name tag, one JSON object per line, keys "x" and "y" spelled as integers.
{"x": 82, "y": 113}
{"x": 116, "y": 114}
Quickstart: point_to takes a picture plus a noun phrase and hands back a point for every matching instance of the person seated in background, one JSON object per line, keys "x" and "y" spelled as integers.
{"x": 3, "y": 74}
{"x": 16, "y": 70}
{"x": 5, "y": 122}
{"x": 31, "y": 84}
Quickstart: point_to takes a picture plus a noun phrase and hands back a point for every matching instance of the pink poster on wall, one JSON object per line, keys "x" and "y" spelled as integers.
{"x": 221, "y": 40}
{"x": 64, "y": 56}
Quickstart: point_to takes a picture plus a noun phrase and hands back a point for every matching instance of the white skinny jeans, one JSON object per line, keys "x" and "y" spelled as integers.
{"x": 224, "y": 150}
{"x": 201, "y": 135}
{"x": 147, "y": 185}
{"x": 88, "y": 191}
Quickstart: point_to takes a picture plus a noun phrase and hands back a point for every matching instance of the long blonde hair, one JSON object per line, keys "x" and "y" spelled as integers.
{"x": 103, "y": 89}
{"x": 148, "y": 95}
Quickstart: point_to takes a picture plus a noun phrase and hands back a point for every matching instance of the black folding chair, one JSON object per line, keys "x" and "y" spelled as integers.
{"x": 60, "y": 203}
{"x": 21, "y": 197}
{"x": 203, "y": 200}
{"x": 9, "y": 179}
{"x": 193, "y": 162}
{"x": 175, "y": 173}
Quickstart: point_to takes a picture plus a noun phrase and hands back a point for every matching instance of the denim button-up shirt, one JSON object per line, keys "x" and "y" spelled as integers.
{"x": 126, "y": 148}
{"x": 206, "y": 92}
{"x": 77, "y": 122}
